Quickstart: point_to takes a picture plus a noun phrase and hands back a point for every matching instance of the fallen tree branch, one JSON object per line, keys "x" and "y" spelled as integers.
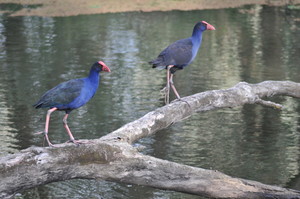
{"x": 241, "y": 94}
{"x": 113, "y": 158}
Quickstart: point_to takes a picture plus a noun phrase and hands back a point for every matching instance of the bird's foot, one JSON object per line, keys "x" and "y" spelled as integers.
{"x": 78, "y": 142}
{"x": 50, "y": 145}
{"x": 39, "y": 133}
{"x": 180, "y": 99}
{"x": 45, "y": 138}
{"x": 164, "y": 91}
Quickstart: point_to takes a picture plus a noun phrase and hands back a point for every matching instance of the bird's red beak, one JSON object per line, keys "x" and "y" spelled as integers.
{"x": 208, "y": 26}
{"x": 104, "y": 67}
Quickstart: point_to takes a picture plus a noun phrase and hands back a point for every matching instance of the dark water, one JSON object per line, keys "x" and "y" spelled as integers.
{"x": 253, "y": 44}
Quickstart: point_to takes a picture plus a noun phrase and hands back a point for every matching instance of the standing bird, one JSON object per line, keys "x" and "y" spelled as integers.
{"x": 180, "y": 54}
{"x": 71, "y": 95}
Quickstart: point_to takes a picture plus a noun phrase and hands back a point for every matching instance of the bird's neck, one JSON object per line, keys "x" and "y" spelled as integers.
{"x": 94, "y": 76}
{"x": 197, "y": 35}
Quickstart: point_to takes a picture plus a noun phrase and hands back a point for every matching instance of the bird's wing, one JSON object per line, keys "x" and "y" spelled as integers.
{"x": 178, "y": 53}
{"x": 62, "y": 94}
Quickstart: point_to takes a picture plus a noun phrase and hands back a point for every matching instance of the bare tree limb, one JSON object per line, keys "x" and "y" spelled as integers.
{"x": 240, "y": 94}
{"x": 113, "y": 158}
{"x": 269, "y": 104}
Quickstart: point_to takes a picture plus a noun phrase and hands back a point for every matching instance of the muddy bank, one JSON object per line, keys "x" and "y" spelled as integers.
{"x": 53, "y": 8}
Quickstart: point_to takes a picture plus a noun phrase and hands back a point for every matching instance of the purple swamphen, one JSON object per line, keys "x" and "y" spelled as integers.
{"x": 71, "y": 95}
{"x": 180, "y": 54}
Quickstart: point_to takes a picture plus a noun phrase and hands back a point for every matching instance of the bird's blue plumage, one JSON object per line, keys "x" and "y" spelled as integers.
{"x": 71, "y": 94}
{"x": 182, "y": 52}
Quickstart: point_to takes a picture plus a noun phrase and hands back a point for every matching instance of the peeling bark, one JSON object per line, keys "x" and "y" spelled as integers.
{"x": 113, "y": 158}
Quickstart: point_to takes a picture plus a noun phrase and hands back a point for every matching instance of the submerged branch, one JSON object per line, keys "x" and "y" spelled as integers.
{"x": 113, "y": 158}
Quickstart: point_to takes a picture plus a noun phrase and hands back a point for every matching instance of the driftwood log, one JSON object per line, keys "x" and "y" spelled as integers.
{"x": 113, "y": 158}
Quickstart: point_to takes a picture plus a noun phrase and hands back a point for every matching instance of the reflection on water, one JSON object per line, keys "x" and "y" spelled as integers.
{"x": 253, "y": 44}
{"x": 7, "y": 136}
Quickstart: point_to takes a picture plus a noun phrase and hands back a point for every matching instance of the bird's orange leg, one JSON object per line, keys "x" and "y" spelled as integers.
{"x": 167, "y": 96}
{"x": 72, "y": 139}
{"x": 175, "y": 91}
{"x": 173, "y": 87}
{"x": 47, "y": 125}
{"x": 67, "y": 128}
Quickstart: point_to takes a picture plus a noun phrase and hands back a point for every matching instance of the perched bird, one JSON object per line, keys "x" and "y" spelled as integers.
{"x": 180, "y": 54}
{"x": 71, "y": 95}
